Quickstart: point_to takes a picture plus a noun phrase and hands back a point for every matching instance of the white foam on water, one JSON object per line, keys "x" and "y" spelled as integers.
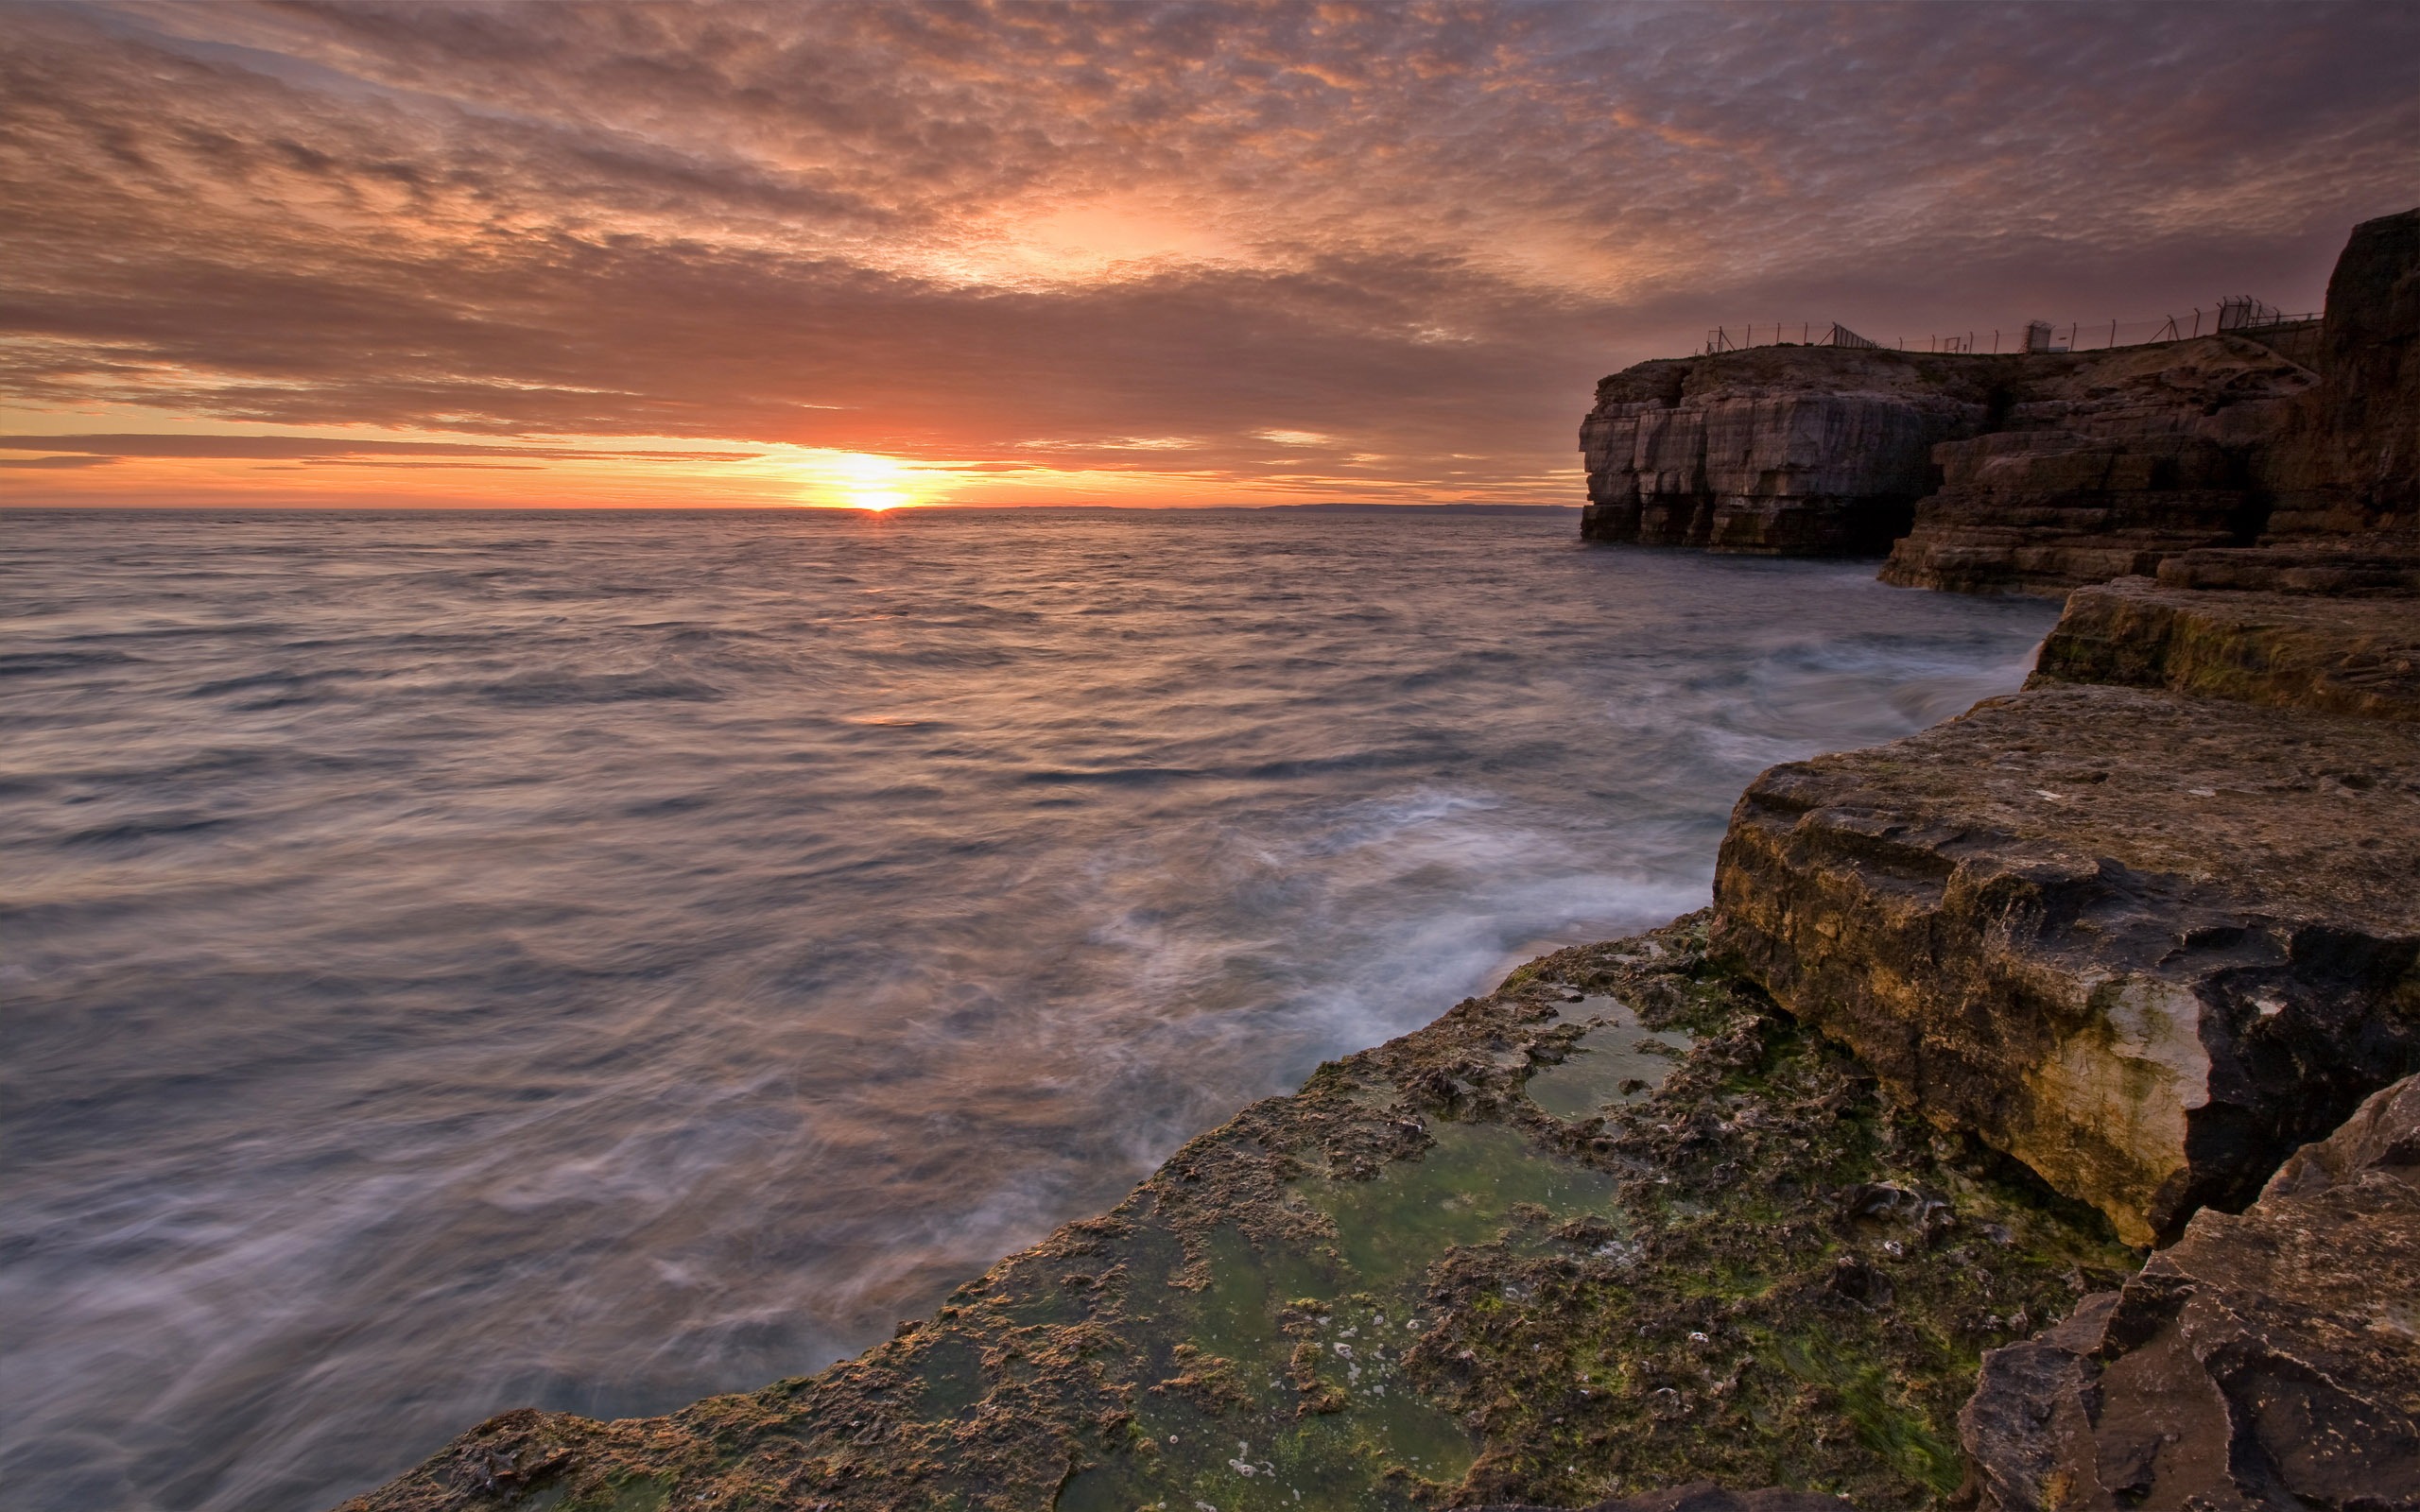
{"x": 464, "y": 962}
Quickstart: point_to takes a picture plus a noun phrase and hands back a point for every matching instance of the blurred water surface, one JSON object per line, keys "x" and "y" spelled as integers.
{"x": 461, "y": 961}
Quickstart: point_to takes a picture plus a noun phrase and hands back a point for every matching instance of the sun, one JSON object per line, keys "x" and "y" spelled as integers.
{"x": 863, "y": 480}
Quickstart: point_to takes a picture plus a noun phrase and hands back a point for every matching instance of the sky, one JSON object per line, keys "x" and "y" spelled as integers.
{"x": 869, "y": 255}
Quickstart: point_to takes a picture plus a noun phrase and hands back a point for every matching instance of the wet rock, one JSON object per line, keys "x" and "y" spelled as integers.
{"x": 2267, "y": 1359}
{"x": 1854, "y": 1281}
{"x": 2348, "y": 654}
{"x": 1704, "y": 1496}
{"x": 1504, "y": 1311}
{"x": 509, "y": 1454}
{"x": 2146, "y": 943}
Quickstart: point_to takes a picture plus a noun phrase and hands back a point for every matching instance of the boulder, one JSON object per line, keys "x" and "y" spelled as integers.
{"x": 2270, "y": 1360}
{"x": 2147, "y": 943}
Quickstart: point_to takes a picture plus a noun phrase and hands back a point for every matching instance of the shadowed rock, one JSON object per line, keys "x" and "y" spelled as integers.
{"x": 2102, "y": 468}
{"x": 1704, "y": 1496}
{"x": 1781, "y": 451}
{"x": 2270, "y": 1360}
{"x": 2038, "y": 472}
{"x": 2346, "y": 461}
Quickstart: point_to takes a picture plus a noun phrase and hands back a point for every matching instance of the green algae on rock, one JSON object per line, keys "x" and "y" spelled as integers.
{"x": 1411, "y": 1284}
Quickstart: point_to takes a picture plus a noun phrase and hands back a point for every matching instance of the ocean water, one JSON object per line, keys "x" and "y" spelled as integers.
{"x": 452, "y": 962}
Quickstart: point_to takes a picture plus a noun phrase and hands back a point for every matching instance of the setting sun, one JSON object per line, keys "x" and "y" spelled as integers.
{"x": 861, "y": 480}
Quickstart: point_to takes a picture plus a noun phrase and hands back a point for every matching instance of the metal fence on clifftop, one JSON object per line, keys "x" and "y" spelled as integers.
{"x": 2236, "y": 314}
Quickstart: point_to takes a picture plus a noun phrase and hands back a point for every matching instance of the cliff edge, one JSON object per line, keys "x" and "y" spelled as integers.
{"x": 2032, "y": 472}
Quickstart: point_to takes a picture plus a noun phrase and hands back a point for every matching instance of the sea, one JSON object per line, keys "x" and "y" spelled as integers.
{"x": 458, "y": 961}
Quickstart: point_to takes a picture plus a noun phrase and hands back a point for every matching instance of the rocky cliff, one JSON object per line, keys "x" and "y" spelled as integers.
{"x": 2036, "y": 472}
{"x": 2345, "y": 461}
{"x": 2104, "y": 465}
{"x": 1778, "y": 451}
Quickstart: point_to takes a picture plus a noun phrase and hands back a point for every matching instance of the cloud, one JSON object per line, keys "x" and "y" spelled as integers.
{"x": 978, "y": 234}
{"x": 319, "y": 448}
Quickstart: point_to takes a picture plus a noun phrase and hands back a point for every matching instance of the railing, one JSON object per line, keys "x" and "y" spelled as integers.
{"x": 1723, "y": 339}
{"x": 2238, "y": 314}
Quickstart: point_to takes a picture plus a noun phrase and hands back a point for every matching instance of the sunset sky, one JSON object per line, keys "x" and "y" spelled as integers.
{"x": 555, "y": 254}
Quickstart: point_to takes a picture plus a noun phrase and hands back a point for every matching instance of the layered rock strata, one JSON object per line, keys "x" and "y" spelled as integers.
{"x": 2147, "y": 943}
{"x": 2265, "y": 1361}
{"x": 2359, "y": 656}
{"x": 1780, "y": 450}
{"x": 2106, "y": 464}
{"x": 2345, "y": 461}
{"x": 2035, "y": 473}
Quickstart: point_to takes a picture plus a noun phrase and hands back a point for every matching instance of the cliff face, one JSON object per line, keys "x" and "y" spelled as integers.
{"x": 1781, "y": 451}
{"x": 2347, "y": 460}
{"x": 2103, "y": 464}
{"x": 2036, "y": 472}
{"x": 2145, "y": 943}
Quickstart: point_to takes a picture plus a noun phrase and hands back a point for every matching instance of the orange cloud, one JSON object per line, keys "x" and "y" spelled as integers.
{"x": 1007, "y": 250}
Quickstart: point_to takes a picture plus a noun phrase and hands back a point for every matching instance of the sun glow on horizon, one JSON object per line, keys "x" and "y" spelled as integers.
{"x": 864, "y": 480}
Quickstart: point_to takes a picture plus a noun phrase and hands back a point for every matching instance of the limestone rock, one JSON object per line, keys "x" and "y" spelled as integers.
{"x": 2107, "y": 466}
{"x": 1796, "y": 450}
{"x": 2347, "y": 655}
{"x": 2146, "y": 943}
{"x": 2032, "y": 472}
{"x": 2266, "y": 1361}
{"x": 2355, "y": 567}
{"x": 2347, "y": 460}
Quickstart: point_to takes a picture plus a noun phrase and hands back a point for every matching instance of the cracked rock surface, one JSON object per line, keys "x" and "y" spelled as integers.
{"x": 2270, "y": 1360}
{"x": 2146, "y": 943}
